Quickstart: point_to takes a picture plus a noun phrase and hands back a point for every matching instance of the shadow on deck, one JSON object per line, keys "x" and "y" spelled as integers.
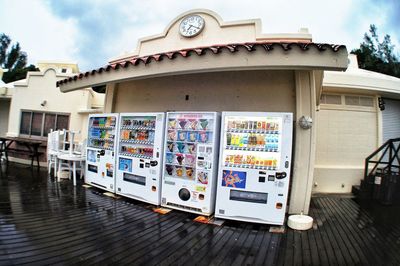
{"x": 45, "y": 222}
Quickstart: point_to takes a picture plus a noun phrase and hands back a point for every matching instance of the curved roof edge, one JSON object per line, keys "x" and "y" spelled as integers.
{"x": 356, "y": 78}
{"x": 199, "y": 51}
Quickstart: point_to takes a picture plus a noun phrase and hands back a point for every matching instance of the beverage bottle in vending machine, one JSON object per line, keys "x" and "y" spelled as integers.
{"x": 228, "y": 138}
{"x": 245, "y": 140}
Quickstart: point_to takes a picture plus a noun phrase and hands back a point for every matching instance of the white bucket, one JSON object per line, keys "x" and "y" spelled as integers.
{"x": 300, "y": 222}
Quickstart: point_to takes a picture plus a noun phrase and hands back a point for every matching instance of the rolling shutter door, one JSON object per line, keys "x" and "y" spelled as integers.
{"x": 391, "y": 119}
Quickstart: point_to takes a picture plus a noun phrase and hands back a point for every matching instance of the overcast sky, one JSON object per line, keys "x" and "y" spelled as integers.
{"x": 90, "y": 32}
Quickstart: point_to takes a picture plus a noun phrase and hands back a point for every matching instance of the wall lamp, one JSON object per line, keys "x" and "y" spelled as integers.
{"x": 305, "y": 122}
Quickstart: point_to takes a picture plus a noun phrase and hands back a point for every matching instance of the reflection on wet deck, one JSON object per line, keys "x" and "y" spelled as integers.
{"x": 45, "y": 222}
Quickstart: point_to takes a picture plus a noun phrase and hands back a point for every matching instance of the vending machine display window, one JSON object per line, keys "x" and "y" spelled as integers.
{"x": 252, "y": 142}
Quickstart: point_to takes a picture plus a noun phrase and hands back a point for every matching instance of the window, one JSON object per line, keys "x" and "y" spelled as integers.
{"x": 348, "y": 100}
{"x": 39, "y": 124}
{"x": 331, "y": 99}
{"x": 63, "y": 70}
{"x": 359, "y": 101}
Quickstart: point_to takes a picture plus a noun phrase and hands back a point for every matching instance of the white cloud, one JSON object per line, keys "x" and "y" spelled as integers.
{"x": 93, "y": 35}
{"x": 40, "y": 34}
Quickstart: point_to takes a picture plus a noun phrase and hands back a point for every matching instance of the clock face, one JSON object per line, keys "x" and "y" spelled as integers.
{"x": 191, "y": 26}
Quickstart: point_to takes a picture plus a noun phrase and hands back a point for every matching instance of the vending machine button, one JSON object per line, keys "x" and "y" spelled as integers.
{"x": 201, "y": 197}
{"x": 141, "y": 165}
{"x": 153, "y": 188}
{"x": 271, "y": 178}
{"x": 279, "y": 205}
{"x": 261, "y": 179}
{"x": 287, "y": 164}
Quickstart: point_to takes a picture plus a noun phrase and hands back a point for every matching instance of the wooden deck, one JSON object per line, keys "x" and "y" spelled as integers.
{"x": 43, "y": 222}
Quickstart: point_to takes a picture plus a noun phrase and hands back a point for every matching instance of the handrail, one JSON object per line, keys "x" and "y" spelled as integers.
{"x": 388, "y": 146}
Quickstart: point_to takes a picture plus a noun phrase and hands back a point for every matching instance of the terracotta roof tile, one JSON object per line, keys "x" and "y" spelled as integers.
{"x": 215, "y": 49}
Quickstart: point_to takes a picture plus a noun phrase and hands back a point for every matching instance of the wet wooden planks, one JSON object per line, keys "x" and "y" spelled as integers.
{"x": 43, "y": 222}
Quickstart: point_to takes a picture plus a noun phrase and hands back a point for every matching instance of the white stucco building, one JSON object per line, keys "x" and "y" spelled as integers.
{"x": 36, "y": 105}
{"x": 228, "y": 66}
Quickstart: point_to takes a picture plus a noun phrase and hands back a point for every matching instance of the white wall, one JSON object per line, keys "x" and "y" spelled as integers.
{"x": 344, "y": 139}
{"x": 272, "y": 91}
{"x": 4, "y": 113}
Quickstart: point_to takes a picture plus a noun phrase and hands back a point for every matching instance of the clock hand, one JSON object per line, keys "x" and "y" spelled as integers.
{"x": 195, "y": 27}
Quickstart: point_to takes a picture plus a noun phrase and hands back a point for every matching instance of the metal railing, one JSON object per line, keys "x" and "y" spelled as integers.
{"x": 389, "y": 159}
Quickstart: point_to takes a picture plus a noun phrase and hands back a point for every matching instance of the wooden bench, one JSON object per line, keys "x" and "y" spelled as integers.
{"x": 31, "y": 154}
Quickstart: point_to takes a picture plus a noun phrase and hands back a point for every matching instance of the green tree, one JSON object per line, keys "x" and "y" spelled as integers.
{"x": 13, "y": 59}
{"x": 377, "y": 56}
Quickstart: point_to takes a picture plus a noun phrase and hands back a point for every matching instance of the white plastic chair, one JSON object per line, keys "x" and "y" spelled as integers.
{"x": 69, "y": 160}
{"x": 54, "y": 148}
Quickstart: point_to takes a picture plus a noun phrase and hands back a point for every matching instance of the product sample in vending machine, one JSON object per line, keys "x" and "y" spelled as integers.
{"x": 137, "y": 131}
{"x": 259, "y": 136}
{"x": 101, "y": 133}
{"x": 183, "y": 136}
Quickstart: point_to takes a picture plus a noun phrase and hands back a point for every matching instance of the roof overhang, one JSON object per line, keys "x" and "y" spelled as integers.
{"x": 362, "y": 80}
{"x": 232, "y": 57}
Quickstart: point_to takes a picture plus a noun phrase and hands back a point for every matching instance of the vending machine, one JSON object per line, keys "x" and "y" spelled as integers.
{"x": 100, "y": 151}
{"x": 139, "y": 159}
{"x": 190, "y": 161}
{"x": 254, "y": 166}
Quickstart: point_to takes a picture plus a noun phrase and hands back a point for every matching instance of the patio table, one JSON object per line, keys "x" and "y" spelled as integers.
{"x": 31, "y": 145}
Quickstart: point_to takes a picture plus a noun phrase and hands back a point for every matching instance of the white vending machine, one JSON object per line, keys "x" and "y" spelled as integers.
{"x": 190, "y": 161}
{"x": 254, "y": 166}
{"x": 100, "y": 151}
{"x": 139, "y": 159}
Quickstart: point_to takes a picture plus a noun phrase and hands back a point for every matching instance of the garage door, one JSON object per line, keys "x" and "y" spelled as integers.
{"x": 391, "y": 119}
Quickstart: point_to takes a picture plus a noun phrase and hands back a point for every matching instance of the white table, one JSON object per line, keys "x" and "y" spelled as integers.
{"x": 70, "y": 158}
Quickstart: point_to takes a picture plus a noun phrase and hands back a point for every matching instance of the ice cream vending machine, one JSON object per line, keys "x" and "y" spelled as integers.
{"x": 139, "y": 159}
{"x": 100, "y": 151}
{"x": 190, "y": 161}
{"x": 254, "y": 166}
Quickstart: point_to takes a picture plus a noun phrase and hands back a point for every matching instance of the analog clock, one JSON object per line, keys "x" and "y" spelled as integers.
{"x": 191, "y": 25}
